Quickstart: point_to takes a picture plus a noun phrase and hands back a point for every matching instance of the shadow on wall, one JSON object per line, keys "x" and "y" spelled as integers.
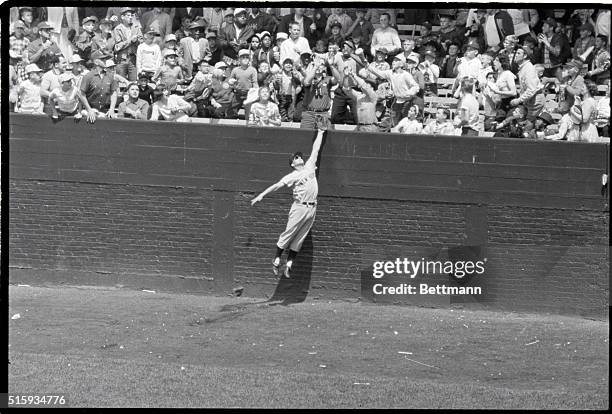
{"x": 295, "y": 289}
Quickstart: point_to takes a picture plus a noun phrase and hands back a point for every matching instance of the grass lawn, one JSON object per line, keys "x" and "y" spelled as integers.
{"x": 112, "y": 347}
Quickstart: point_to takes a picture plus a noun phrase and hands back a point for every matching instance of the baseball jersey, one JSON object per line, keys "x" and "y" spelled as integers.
{"x": 304, "y": 182}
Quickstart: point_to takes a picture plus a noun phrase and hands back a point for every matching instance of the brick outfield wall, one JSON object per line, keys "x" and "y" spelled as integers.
{"x": 121, "y": 202}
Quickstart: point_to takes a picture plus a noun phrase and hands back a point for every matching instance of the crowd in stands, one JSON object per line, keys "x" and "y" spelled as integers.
{"x": 522, "y": 73}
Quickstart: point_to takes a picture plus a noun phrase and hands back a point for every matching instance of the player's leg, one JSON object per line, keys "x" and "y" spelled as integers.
{"x": 298, "y": 239}
{"x": 294, "y": 223}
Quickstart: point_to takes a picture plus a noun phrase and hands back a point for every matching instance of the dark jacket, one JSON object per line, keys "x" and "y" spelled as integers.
{"x": 180, "y": 12}
{"x": 262, "y": 22}
{"x": 564, "y": 55}
{"x": 283, "y": 26}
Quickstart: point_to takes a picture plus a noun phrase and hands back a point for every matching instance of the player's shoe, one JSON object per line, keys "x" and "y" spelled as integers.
{"x": 276, "y": 269}
{"x": 287, "y": 271}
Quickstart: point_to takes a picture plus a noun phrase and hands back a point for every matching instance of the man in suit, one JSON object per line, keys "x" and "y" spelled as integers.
{"x": 307, "y": 26}
{"x": 180, "y": 12}
{"x": 234, "y": 37}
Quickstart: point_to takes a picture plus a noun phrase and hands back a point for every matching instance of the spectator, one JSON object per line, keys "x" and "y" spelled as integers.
{"x": 213, "y": 54}
{"x": 287, "y": 84}
{"x": 386, "y": 37}
{"x": 573, "y": 83}
{"x": 469, "y": 66}
{"x": 50, "y": 79}
{"x": 127, "y": 36}
{"x": 450, "y": 62}
{"x": 148, "y": 54}
{"x": 67, "y": 100}
{"x": 486, "y": 61}
{"x": 410, "y": 124}
{"x": 294, "y": 46}
{"x": 584, "y": 42}
{"x": 373, "y": 15}
{"x": 568, "y": 127}
{"x": 261, "y": 21}
{"x": 344, "y": 63}
{"x": 170, "y": 74}
{"x": 520, "y": 22}
{"x": 600, "y": 65}
{"x": 602, "y": 121}
{"x": 104, "y": 40}
{"x": 228, "y": 19}
{"x": 181, "y": 12}
{"x": 554, "y": 49}
{"x": 449, "y": 33}
{"x": 319, "y": 18}
{"x": 513, "y": 125}
{"x": 505, "y": 84}
{"x": 263, "y": 112}
{"x": 158, "y": 21}
{"x": 221, "y": 94}
{"x": 134, "y": 107}
{"x": 264, "y": 54}
{"x": 430, "y": 39}
{"x": 244, "y": 78}
{"x": 198, "y": 91}
{"x": 170, "y": 43}
{"x": 403, "y": 86}
{"x": 588, "y": 109}
{"x": 542, "y": 123}
{"x": 145, "y": 91}
{"x": 442, "y": 125}
{"x": 28, "y": 92}
{"x": 335, "y": 34}
{"x": 317, "y": 97}
{"x": 254, "y": 46}
{"x": 75, "y": 65}
{"x": 361, "y": 28}
{"x": 18, "y": 51}
{"x": 530, "y": 86}
{"x": 338, "y": 15}
{"x": 65, "y": 22}
{"x": 412, "y": 60}
{"x": 214, "y": 17}
{"x": 183, "y": 31}
{"x": 194, "y": 47}
{"x": 234, "y": 37}
{"x": 468, "y": 109}
{"x": 430, "y": 71}
{"x": 84, "y": 42}
{"x": 29, "y": 28}
{"x": 42, "y": 50}
{"x": 100, "y": 88}
{"x": 170, "y": 107}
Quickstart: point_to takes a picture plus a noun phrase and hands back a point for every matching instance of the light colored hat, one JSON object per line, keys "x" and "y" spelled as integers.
{"x": 75, "y": 59}
{"x": 576, "y": 114}
{"x": 89, "y": 19}
{"x": 282, "y": 35}
{"x": 264, "y": 33}
{"x": 66, "y": 77}
{"x": 244, "y": 52}
{"x": 228, "y": 12}
{"x": 413, "y": 57}
{"x": 32, "y": 67}
{"x": 109, "y": 63}
{"x": 170, "y": 52}
{"x": 238, "y": 11}
{"x": 220, "y": 65}
{"x": 169, "y": 37}
{"x": 400, "y": 57}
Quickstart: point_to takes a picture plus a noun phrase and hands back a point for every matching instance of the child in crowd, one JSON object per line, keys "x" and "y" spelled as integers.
{"x": 245, "y": 77}
{"x": 287, "y": 84}
{"x": 170, "y": 73}
{"x": 170, "y": 107}
{"x": 442, "y": 125}
{"x": 145, "y": 91}
{"x": 28, "y": 92}
{"x": 431, "y": 72}
{"x": 263, "y": 112}
{"x": 67, "y": 100}
{"x": 513, "y": 125}
{"x": 148, "y": 55}
{"x": 221, "y": 94}
{"x": 85, "y": 41}
{"x": 410, "y": 124}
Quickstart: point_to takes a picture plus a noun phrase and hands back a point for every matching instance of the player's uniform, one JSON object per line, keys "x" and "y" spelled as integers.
{"x": 304, "y": 208}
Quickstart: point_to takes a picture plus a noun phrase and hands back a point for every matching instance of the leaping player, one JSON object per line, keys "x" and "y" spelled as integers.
{"x": 303, "y": 179}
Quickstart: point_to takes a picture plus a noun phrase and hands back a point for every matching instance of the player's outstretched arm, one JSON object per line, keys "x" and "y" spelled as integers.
{"x": 272, "y": 188}
{"x": 316, "y": 146}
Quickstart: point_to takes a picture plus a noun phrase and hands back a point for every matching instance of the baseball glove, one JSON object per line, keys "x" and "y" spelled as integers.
{"x": 322, "y": 122}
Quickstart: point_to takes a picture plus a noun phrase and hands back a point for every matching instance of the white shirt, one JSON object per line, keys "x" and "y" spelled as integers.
{"x": 304, "y": 182}
{"x": 469, "y": 68}
{"x": 408, "y": 126}
{"x": 293, "y": 49}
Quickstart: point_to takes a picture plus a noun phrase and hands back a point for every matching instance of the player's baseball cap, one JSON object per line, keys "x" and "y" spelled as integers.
{"x": 294, "y": 156}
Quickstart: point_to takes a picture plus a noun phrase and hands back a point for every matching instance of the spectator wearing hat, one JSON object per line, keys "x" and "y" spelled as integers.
{"x": 573, "y": 82}
{"x": 450, "y": 62}
{"x": 530, "y": 87}
{"x": 103, "y": 40}
{"x": 565, "y": 129}
{"x": 386, "y": 37}
{"x": 542, "y": 122}
{"x": 148, "y": 54}
{"x": 295, "y": 45}
{"x": 28, "y": 92}
{"x": 194, "y": 47}
{"x": 214, "y": 53}
{"x": 158, "y": 21}
{"x": 335, "y": 34}
{"x": 403, "y": 85}
{"x": 214, "y": 17}
{"x": 68, "y": 100}
{"x": 345, "y": 64}
{"x": 412, "y": 63}
{"x": 264, "y": 54}
{"x": 364, "y": 98}
{"x": 361, "y": 28}
{"x": 430, "y": 71}
{"x": 599, "y": 68}
{"x": 169, "y": 107}
{"x": 127, "y": 36}
{"x": 468, "y": 66}
{"x": 180, "y": 13}
{"x": 101, "y": 88}
{"x": 585, "y": 42}
{"x": 75, "y": 66}
{"x": 317, "y": 94}
{"x": 134, "y": 107}
{"x": 183, "y": 31}
{"x": 219, "y": 104}
{"x": 286, "y": 85}
{"x": 441, "y": 125}
{"x": 244, "y": 78}
{"x": 338, "y": 15}
{"x": 18, "y": 47}
{"x": 170, "y": 73}
{"x": 145, "y": 91}
{"x": 449, "y": 32}
{"x": 63, "y": 20}
{"x": 261, "y": 20}
{"x": 43, "y": 49}
{"x": 234, "y": 37}
{"x": 84, "y": 42}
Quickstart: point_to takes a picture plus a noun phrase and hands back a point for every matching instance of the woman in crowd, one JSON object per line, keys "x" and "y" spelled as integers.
{"x": 410, "y": 124}
{"x": 263, "y": 112}
{"x": 588, "y": 107}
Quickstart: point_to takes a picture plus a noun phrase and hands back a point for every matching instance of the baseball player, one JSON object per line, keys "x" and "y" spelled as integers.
{"x": 303, "y": 179}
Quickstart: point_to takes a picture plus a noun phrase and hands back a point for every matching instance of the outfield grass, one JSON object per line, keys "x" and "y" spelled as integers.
{"x": 110, "y": 347}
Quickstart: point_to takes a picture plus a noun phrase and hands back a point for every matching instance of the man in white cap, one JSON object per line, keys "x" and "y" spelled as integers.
{"x": 28, "y": 92}
{"x": 235, "y": 37}
{"x": 127, "y": 36}
{"x": 295, "y": 46}
{"x": 101, "y": 88}
{"x": 41, "y": 50}
{"x": 75, "y": 65}
{"x": 84, "y": 41}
